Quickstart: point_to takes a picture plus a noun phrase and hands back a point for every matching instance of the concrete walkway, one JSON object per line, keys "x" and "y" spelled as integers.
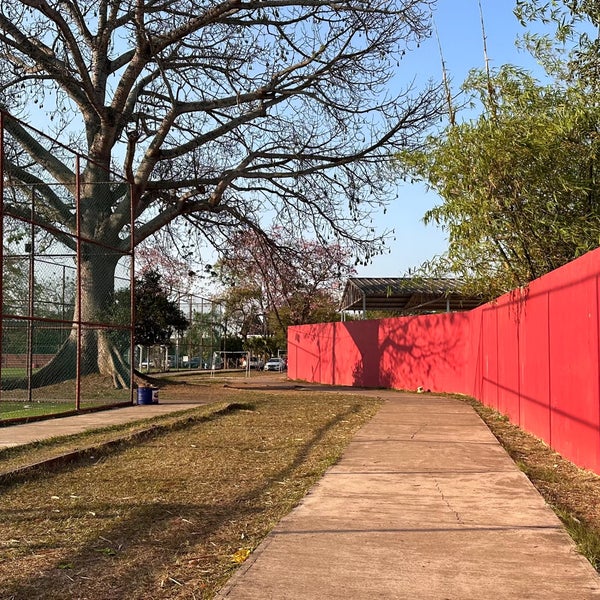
{"x": 425, "y": 504}
{"x": 16, "y": 435}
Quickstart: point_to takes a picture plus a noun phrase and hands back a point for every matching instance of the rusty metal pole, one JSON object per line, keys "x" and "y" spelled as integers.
{"x": 31, "y": 304}
{"x": 131, "y": 291}
{"x": 78, "y": 280}
{"x": 1, "y": 244}
{"x": 201, "y": 328}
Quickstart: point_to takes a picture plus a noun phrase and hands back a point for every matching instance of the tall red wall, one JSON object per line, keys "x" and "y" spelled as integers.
{"x": 533, "y": 355}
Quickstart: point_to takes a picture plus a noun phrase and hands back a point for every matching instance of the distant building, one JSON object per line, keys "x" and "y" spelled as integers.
{"x": 405, "y": 295}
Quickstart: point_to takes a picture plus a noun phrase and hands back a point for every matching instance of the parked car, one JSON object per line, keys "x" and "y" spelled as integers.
{"x": 192, "y": 363}
{"x": 275, "y": 364}
{"x": 256, "y": 363}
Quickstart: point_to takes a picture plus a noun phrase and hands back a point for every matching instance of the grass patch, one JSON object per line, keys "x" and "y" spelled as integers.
{"x": 16, "y": 371}
{"x": 171, "y": 515}
{"x": 586, "y": 537}
{"x": 25, "y": 410}
{"x": 18, "y": 410}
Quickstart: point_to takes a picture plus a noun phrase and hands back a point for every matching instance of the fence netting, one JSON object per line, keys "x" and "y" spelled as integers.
{"x": 203, "y": 345}
{"x": 66, "y": 344}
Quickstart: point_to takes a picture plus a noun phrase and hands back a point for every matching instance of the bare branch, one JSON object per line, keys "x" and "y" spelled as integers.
{"x": 227, "y": 111}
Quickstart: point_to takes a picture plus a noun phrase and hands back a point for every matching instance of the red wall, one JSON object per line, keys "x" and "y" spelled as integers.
{"x": 532, "y": 354}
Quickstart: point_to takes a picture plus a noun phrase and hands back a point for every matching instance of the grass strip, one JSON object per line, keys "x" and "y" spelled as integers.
{"x": 16, "y": 457}
{"x": 56, "y": 452}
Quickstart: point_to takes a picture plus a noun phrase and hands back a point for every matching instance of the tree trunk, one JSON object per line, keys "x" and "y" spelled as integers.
{"x": 101, "y": 344}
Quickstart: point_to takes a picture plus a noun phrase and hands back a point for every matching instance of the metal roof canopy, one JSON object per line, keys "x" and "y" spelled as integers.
{"x": 405, "y": 294}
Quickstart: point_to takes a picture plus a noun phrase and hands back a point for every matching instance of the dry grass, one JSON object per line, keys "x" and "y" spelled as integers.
{"x": 102, "y": 440}
{"x": 165, "y": 516}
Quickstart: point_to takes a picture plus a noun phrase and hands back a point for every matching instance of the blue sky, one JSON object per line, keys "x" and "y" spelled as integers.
{"x": 459, "y": 29}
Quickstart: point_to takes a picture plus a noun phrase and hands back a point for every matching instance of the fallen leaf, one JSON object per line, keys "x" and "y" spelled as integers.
{"x": 241, "y": 555}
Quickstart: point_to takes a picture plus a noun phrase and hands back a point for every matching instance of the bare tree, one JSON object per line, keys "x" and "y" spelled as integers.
{"x": 288, "y": 281}
{"x": 218, "y": 112}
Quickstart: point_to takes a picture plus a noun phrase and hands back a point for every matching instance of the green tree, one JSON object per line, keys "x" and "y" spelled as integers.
{"x": 157, "y": 317}
{"x": 205, "y": 334}
{"x": 217, "y": 113}
{"x": 518, "y": 183}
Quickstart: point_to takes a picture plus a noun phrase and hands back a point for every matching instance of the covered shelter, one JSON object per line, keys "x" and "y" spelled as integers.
{"x": 405, "y": 295}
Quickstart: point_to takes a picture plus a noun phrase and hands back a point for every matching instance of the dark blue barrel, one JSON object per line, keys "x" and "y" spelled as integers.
{"x": 144, "y": 395}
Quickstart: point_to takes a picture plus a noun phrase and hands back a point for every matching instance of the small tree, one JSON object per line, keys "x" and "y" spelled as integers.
{"x": 282, "y": 281}
{"x": 157, "y": 317}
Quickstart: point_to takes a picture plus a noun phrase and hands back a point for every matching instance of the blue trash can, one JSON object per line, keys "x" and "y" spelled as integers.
{"x": 144, "y": 395}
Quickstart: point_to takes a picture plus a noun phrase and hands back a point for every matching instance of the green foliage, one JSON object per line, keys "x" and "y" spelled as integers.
{"x": 518, "y": 183}
{"x": 44, "y": 339}
{"x": 261, "y": 345}
{"x": 572, "y": 52}
{"x": 206, "y": 329}
{"x": 156, "y": 316}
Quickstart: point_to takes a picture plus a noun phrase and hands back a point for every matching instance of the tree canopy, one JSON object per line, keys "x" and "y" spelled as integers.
{"x": 572, "y": 53}
{"x": 288, "y": 281}
{"x": 221, "y": 115}
{"x": 157, "y": 316}
{"x": 219, "y": 111}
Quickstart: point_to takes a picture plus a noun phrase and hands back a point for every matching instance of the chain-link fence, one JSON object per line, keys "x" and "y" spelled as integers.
{"x": 66, "y": 331}
{"x": 201, "y": 346}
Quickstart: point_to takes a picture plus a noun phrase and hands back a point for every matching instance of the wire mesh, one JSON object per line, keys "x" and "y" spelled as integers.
{"x": 199, "y": 347}
{"x": 66, "y": 331}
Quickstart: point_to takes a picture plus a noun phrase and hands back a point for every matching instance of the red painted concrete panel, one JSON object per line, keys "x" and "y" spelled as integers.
{"x": 356, "y": 359}
{"x": 423, "y": 352}
{"x": 534, "y": 359}
{"x": 473, "y": 354}
{"x": 573, "y": 315}
{"x": 309, "y": 352}
{"x": 508, "y": 313}
{"x": 489, "y": 357}
{"x": 401, "y": 353}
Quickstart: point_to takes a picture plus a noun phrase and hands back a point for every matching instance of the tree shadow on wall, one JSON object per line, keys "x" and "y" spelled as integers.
{"x": 365, "y": 338}
{"x": 406, "y": 352}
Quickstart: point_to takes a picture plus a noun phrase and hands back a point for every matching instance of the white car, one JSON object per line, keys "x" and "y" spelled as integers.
{"x": 275, "y": 364}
